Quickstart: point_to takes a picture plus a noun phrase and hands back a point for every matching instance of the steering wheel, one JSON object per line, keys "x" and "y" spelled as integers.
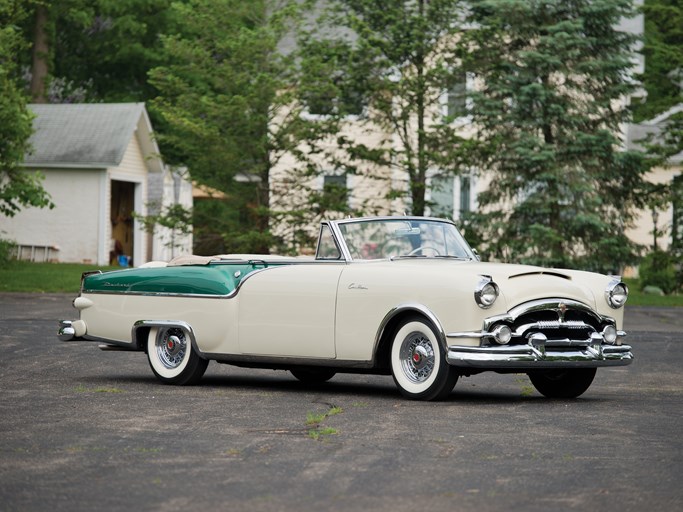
{"x": 422, "y": 248}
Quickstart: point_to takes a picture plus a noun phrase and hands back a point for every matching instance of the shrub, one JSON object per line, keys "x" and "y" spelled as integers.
{"x": 658, "y": 269}
{"x": 7, "y": 251}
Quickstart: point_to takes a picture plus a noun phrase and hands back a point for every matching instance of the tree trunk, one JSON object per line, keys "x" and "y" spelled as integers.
{"x": 41, "y": 49}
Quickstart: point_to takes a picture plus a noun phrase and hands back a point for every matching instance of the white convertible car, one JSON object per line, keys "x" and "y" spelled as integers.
{"x": 404, "y": 296}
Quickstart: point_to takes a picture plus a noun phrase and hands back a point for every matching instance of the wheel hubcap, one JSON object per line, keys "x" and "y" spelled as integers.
{"x": 171, "y": 347}
{"x": 417, "y": 357}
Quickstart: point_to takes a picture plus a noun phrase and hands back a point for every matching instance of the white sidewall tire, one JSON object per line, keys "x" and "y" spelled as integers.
{"x": 400, "y": 376}
{"x": 163, "y": 371}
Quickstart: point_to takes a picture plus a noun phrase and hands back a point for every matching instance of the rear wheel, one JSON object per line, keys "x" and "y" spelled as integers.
{"x": 313, "y": 375}
{"x": 418, "y": 362}
{"x": 563, "y": 383}
{"x": 172, "y": 357}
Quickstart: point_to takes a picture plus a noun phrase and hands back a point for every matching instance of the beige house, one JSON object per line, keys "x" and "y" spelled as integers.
{"x": 454, "y": 196}
{"x": 668, "y": 220}
{"x": 101, "y": 164}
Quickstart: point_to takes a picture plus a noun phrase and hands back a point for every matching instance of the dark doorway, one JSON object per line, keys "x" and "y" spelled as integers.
{"x": 121, "y": 214}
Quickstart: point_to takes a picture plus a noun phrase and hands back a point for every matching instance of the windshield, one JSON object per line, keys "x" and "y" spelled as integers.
{"x": 393, "y": 238}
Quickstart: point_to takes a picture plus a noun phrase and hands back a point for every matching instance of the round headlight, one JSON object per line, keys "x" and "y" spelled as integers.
{"x": 502, "y": 334}
{"x": 609, "y": 334}
{"x": 486, "y": 293}
{"x": 616, "y": 294}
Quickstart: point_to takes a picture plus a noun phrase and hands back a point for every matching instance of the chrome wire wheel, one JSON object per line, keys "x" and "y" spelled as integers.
{"x": 418, "y": 363}
{"x": 417, "y": 357}
{"x": 171, "y": 347}
{"x": 172, "y": 356}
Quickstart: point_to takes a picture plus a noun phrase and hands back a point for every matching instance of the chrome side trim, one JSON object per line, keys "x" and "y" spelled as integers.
{"x": 407, "y": 307}
{"x": 277, "y": 362}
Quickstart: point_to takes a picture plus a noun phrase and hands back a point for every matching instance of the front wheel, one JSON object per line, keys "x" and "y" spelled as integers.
{"x": 563, "y": 383}
{"x": 418, "y": 362}
{"x": 172, "y": 357}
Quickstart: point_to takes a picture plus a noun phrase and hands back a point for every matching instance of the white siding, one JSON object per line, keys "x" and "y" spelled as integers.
{"x": 72, "y": 225}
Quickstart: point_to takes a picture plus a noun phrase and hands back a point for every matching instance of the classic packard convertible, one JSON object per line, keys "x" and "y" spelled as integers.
{"x": 400, "y": 296}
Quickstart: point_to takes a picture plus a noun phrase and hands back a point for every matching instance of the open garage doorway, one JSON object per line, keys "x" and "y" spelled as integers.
{"x": 122, "y": 223}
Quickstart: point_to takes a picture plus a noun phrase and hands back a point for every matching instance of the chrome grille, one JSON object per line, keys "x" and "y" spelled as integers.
{"x": 567, "y": 328}
{"x": 556, "y": 324}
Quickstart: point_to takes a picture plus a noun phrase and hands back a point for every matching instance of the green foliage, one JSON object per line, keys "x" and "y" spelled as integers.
{"x": 226, "y": 225}
{"x": 18, "y": 188}
{"x": 175, "y": 218}
{"x": 225, "y": 102}
{"x": 663, "y": 53}
{"x": 638, "y": 298}
{"x": 400, "y": 61}
{"x": 7, "y": 248}
{"x": 658, "y": 269}
{"x": 553, "y": 74}
{"x": 99, "y": 50}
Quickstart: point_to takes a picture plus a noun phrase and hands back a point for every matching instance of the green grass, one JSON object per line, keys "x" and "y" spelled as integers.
{"x": 22, "y": 276}
{"x": 638, "y": 298}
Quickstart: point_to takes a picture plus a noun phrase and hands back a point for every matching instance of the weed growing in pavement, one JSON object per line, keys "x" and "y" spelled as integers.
{"x": 527, "y": 389}
{"x": 318, "y": 431}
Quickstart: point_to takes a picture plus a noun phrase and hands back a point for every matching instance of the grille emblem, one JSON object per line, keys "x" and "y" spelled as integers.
{"x": 561, "y": 310}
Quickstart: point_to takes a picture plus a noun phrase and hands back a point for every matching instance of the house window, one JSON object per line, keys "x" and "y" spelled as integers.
{"x": 456, "y": 102}
{"x": 335, "y": 190}
{"x": 335, "y": 99}
{"x": 320, "y": 102}
{"x": 465, "y": 194}
{"x": 449, "y": 201}
{"x": 442, "y": 196}
{"x": 332, "y": 196}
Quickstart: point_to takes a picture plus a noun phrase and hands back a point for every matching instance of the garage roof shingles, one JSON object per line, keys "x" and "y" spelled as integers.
{"x": 84, "y": 135}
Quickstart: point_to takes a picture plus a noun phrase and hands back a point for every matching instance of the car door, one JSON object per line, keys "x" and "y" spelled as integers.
{"x": 289, "y": 311}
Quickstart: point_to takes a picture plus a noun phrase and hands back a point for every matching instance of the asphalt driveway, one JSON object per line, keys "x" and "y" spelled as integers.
{"x": 81, "y": 429}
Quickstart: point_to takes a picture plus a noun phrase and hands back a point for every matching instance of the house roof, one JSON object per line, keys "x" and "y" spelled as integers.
{"x": 89, "y": 135}
{"x": 637, "y": 134}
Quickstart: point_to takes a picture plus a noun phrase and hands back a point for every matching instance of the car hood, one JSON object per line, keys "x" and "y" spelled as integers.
{"x": 521, "y": 283}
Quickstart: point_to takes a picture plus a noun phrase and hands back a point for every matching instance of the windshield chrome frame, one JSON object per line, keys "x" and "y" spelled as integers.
{"x": 346, "y": 254}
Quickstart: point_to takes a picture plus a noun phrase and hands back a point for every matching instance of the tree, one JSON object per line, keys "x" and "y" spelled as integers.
{"x": 94, "y": 50}
{"x": 173, "y": 223}
{"x": 18, "y": 188}
{"x": 225, "y": 102}
{"x": 662, "y": 49}
{"x": 398, "y": 58}
{"x": 553, "y": 76}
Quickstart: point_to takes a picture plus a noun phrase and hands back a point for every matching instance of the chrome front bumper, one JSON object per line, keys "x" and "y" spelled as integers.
{"x": 539, "y": 356}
